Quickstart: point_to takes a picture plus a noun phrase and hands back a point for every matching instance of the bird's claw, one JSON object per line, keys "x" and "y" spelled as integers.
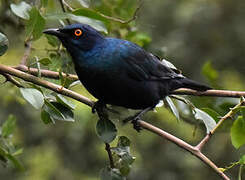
{"x": 94, "y": 108}
{"x": 136, "y": 124}
{"x": 97, "y": 106}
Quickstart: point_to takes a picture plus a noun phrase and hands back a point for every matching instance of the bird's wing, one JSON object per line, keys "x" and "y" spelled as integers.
{"x": 142, "y": 65}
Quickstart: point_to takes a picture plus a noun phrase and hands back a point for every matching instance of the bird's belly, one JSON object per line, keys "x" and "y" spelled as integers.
{"x": 121, "y": 91}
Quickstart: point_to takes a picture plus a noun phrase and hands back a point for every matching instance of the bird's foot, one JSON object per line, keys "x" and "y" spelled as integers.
{"x": 97, "y": 106}
{"x": 134, "y": 119}
{"x": 136, "y": 124}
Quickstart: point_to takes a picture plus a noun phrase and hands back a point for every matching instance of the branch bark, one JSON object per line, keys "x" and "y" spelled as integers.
{"x": 46, "y": 73}
{"x": 213, "y": 92}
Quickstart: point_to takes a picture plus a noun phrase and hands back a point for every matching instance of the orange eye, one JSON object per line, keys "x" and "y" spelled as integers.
{"x": 78, "y": 32}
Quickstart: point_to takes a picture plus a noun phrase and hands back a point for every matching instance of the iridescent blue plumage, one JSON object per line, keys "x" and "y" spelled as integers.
{"x": 120, "y": 72}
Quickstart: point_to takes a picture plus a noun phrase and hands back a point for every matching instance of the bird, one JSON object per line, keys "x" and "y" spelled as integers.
{"x": 119, "y": 72}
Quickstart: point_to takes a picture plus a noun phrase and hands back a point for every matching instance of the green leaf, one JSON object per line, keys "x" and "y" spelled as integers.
{"x": 168, "y": 64}
{"x": 142, "y": 39}
{"x": 242, "y": 160}
{"x": 98, "y": 25}
{"x": 3, "y": 153}
{"x": 35, "y": 24}
{"x": 33, "y": 96}
{"x": 4, "y": 43}
{"x": 110, "y": 174}
{"x": 45, "y": 61}
{"x": 18, "y": 152}
{"x": 125, "y": 159}
{"x": 53, "y": 41}
{"x": 90, "y": 14}
{"x": 58, "y": 111}
{"x": 15, "y": 162}
{"x": 106, "y": 130}
{"x": 125, "y": 170}
{"x": 122, "y": 146}
{"x": 61, "y": 99}
{"x": 209, "y": 72}
{"x": 238, "y": 132}
{"x": 243, "y": 112}
{"x": 123, "y": 141}
{"x": 52, "y": 111}
{"x": 207, "y": 119}
{"x": 64, "y": 81}
{"x": 46, "y": 117}
{"x": 172, "y": 107}
{"x": 8, "y": 126}
{"x": 75, "y": 83}
{"x": 21, "y": 9}
{"x": 216, "y": 116}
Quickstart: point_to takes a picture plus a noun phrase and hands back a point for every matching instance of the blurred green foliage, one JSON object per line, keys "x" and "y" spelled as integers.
{"x": 187, "y": 32}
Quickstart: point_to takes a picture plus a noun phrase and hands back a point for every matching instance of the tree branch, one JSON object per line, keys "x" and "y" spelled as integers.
{"x": 213, "y": 92}
{"x": 193, "y": 150}
{"x": 46, "y": 73}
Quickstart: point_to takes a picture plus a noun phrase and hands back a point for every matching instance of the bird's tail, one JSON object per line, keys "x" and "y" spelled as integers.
{"x": 190, "y": 84}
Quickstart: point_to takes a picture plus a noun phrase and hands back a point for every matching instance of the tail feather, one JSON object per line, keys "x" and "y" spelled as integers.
{"x": 190, "y": 84}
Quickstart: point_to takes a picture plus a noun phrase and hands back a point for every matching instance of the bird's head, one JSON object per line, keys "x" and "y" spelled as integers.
{"x": 75, "y": 37}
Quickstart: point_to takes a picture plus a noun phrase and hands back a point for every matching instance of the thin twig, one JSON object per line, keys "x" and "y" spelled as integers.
{"x": 134, "y": 17}
{"x": 183, "y": 145}
{"x": 67, "y": 5}
{"x": 27, "y": 53}
{"x": 12, "y": 80}
{"x": 186, "y": 101}
{"x": 108, "y": 149}
{"x": 63, "y": 9}
{"x": 230, "y": 114}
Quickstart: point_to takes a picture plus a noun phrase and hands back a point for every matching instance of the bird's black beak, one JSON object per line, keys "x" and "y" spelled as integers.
{"x": 54, "y": 32}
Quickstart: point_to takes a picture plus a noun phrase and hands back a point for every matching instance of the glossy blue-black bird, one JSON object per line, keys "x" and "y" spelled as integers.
{"x": 117, "y": 71}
